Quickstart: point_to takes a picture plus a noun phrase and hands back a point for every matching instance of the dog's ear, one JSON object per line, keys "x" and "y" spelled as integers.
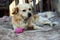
{"x": 15, "y": 11}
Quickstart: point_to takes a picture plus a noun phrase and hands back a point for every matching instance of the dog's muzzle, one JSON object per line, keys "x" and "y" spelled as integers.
{"x": 29, "y": 14}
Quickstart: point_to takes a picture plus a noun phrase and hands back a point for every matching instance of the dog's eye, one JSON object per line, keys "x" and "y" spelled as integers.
{"x": 24, "y": 10}
{"x": 29, "y": 8}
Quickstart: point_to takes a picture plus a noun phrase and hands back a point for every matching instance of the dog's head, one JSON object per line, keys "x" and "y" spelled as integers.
{"x": 23, "y": 10}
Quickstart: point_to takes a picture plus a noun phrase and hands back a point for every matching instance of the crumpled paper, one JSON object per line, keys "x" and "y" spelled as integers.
{"x": 8, "y": 33}
{"x": 46, "y": 17}
{"x": 48, "y": 14}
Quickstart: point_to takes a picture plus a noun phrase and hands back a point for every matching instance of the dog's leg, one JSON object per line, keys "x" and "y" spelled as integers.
{"x": 14, "y": 27}
{"x": 36, "y": 27}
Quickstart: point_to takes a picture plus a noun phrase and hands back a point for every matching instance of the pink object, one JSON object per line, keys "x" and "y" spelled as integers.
{"x": 19, "y": 30}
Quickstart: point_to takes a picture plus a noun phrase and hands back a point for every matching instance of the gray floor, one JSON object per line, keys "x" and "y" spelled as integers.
{"x": 6, "y": 32}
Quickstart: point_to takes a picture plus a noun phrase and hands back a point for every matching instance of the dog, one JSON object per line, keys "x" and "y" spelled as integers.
{"x": 21, "y": 13}
{"x": 23, "y": 17}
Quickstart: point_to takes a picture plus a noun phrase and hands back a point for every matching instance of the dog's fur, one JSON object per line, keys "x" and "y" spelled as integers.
{"x": 24, "y": 17}
{"x": 20, "y": 15}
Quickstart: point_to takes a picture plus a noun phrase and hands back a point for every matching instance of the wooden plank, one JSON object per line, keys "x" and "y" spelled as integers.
{"x": 11, "y": 7}
{"x": 21, "y": 1}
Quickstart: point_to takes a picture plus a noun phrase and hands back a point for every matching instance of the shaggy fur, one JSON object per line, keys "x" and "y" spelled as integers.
{"x": 21, "y": 14}
{"x": 24, "y": 17}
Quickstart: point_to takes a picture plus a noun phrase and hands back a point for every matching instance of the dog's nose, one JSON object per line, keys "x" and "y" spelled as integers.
{"x": 29, "y": 14}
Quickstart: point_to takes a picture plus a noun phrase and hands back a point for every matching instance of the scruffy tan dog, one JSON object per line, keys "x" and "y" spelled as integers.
{"x": 21, "y": 13}
{"x": 23, "y": 17}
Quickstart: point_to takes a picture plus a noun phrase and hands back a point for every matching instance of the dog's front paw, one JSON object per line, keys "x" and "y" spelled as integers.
{"x": 30, "y": 27}
{"x": 37, "y": 27}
